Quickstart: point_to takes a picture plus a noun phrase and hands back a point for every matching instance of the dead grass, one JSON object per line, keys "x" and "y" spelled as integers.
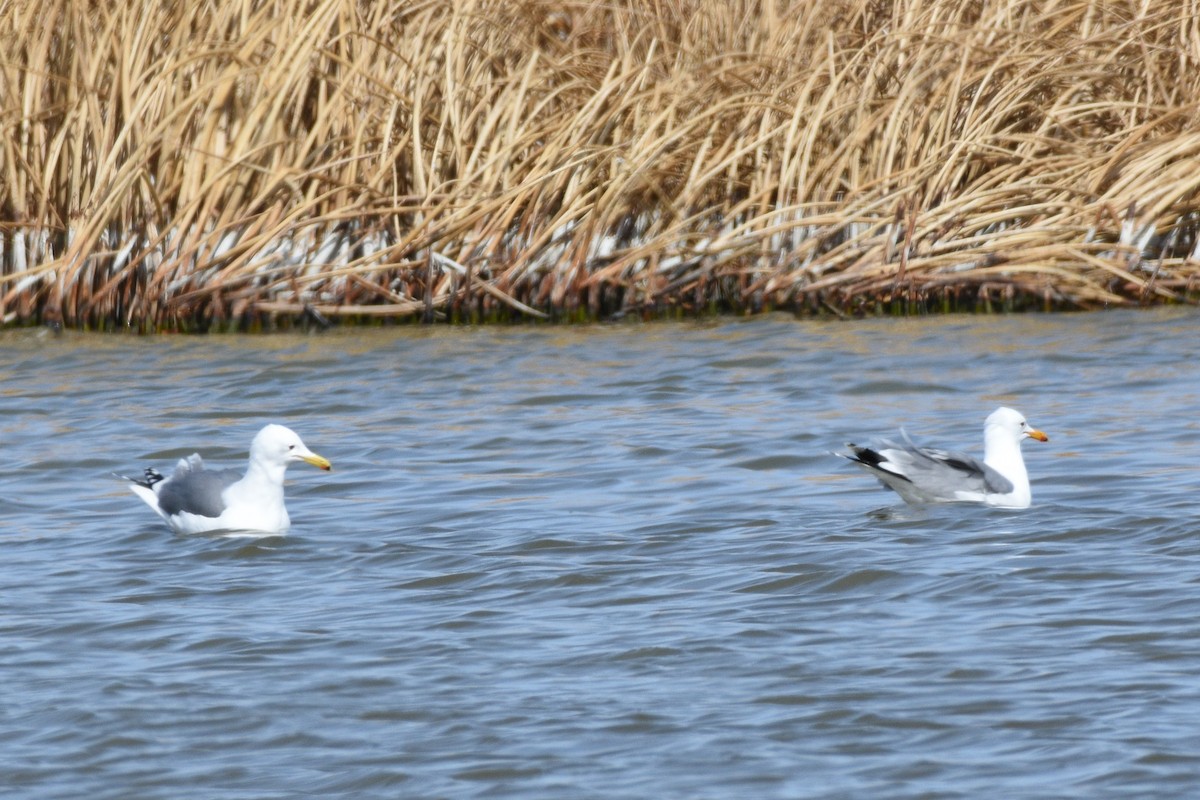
{"x": 168, "y": 165}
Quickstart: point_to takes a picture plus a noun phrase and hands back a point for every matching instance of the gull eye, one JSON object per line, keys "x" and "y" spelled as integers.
{"x": 291, "y": 447}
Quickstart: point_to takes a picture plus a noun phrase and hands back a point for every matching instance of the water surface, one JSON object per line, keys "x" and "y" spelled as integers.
{"x": 611, "y": 562}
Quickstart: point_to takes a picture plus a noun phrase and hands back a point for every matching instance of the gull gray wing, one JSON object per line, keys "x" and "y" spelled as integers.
{"x": 944, "y": 473}
{"x": 195, "y": 489}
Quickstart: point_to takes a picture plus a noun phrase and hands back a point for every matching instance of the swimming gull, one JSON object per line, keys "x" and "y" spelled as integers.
{"x": 195, "y": 499}
{"x": 925, "y": 475}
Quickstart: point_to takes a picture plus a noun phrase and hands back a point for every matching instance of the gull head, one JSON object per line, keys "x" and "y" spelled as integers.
{"x": 276, "y": 444}
{"x": 1013, "y": 424}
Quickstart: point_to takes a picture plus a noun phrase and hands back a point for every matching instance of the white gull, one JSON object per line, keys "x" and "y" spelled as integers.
{"x": 195, "y": 499}
{"x": 925, "y": 475}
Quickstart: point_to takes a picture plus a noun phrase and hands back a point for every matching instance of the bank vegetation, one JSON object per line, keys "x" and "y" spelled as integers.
{"x": 235, "y": 164}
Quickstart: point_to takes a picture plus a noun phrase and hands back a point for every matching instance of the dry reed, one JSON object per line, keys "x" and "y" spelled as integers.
{"x": 180, "y": 165}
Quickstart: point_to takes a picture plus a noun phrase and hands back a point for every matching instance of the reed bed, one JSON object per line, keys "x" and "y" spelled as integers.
{"x": 183, "y": 165}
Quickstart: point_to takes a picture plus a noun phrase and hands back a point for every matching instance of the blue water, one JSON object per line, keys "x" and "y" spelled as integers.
{"x": 606, "y": 562}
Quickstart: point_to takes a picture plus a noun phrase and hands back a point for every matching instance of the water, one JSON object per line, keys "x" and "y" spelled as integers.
{"x": 610, "y": 562}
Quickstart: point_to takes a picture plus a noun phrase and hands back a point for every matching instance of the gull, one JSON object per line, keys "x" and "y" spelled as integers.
{"x": 196, "y": 499}
{"x": 925, "y": 475}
